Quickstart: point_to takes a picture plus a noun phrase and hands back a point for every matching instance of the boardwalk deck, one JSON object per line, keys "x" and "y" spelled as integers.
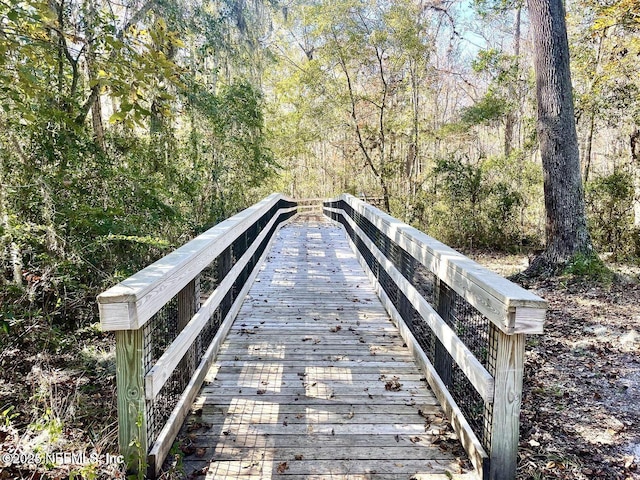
{"x": 314, "y": 381}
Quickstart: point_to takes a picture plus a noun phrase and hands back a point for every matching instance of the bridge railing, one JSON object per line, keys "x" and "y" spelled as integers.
{"x": 465, "y": 325}
{"x": 310, "y": 205}
{"x": 170, "y": 319}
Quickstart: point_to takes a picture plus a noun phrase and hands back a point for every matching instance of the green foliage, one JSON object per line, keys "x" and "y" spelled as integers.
{"x": 610, "y": 201}
{"x": 477, "y": 205}
{"x": 487, "y": 7}
{"x": 489, "y": 109}
{"x": 589, "y": 266}
{"x": 502, "y": 72}
{"x": 181, "y": 148}
{"x": 501, "y": 67}
{"x": 8, "y": 415}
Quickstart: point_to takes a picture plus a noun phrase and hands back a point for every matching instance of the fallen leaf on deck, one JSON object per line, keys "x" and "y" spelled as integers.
{"x": 393, "y": 385}
{"x": 187, "y": 447}
{"x": 194, "y": 426}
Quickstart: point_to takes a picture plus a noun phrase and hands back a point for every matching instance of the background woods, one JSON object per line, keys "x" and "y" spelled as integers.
{"x": 128, "y": 126}
{"x": 126, "y": 129}
{"x": 433, "y": 106}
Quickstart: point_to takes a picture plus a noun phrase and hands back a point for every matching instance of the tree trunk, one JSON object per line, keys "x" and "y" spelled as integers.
{"x": 14, "y": 250}
{"x": 592, "y": 113}
{"x": 510, "y": 120}
{"x": 96, "y": 106}
{"x": 589, "y": 147}
{"x": 635, "y": 168}
{"x": 566, "y": 225}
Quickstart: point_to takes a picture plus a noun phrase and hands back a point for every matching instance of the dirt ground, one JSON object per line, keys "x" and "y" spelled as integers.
{"x": 580, "y": 415}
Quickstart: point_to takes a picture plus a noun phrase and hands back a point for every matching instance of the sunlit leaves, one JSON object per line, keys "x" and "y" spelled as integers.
{"x": 489, "y": 109}
{"x": 624, "y": 13}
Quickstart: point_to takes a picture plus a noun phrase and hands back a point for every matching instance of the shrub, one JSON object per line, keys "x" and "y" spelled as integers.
{"x": 610, "y": 214}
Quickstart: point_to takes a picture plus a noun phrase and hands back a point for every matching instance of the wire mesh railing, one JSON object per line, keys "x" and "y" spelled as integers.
{"x": 465, "y": 324}
{"x": 170, "y": 319}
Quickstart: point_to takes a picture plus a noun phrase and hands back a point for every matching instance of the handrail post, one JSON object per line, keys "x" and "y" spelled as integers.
{"x": 505, "y": 423}
{"x": 132, "y": 411}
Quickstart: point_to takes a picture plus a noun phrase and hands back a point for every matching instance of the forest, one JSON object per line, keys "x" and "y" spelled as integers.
{"x": 128, "y": 127}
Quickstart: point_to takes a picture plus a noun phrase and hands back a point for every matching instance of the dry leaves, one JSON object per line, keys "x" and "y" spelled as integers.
{"x": 393, "y": 385}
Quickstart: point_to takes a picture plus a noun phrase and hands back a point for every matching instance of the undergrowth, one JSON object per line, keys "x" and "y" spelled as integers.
{"x": 589, "y": 267}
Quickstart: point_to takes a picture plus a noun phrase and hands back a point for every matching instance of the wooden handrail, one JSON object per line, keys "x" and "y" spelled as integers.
{"x": 131, "y": 303}
{"x": 510, "y": 309}
{"x": 166, "y": 364}
{"x": 480, "y": 378}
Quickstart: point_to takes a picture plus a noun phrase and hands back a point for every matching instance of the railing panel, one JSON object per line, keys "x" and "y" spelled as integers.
{"x": 464, "y": 324}
{"x": 170, "y": 319}
{"x": 145, "y": 292}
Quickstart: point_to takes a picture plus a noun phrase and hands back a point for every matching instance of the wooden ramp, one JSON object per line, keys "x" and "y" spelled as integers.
{"x": 313, "y": 380}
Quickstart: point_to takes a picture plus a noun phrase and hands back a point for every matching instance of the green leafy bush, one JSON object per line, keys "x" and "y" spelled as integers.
{"x": 610, "y": 214}
{"x": 478, "y": 204}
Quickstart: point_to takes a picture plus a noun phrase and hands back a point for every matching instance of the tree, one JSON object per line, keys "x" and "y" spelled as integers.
{"x": 566, "y": 226}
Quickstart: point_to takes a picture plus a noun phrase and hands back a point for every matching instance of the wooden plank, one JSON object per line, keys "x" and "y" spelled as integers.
{"x": 363, "y": 370}
{"x": 321, "y": 390}
{"x": 165, "y": 439}
{"x": 306, "y": 375}
{"x": 148, "y": 290}
{"x": 314, "y": 328}
{"x": 343, "y": 399}
{"x": 256, "y": 348}
{"x": 341, "y": 428}
{"x": 188, "y": 302}
{"x": 321, "y": 330}
{"x": 363, "y": 476}
{"x": 317, "y": 452}
{"x": 319, "y": 441}
{"x": 259, "y": 469}
{"x": 487, "y": 291}
{"x": 348, "y": 363}
{"x": 260, "y": 417}
{"x": 204, "y": 406}
{"x": 350, "y": 476}
{"x": 318, "y": 355}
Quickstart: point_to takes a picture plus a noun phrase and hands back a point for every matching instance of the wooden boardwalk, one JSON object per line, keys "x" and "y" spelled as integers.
{"x": 313, "y": 380}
